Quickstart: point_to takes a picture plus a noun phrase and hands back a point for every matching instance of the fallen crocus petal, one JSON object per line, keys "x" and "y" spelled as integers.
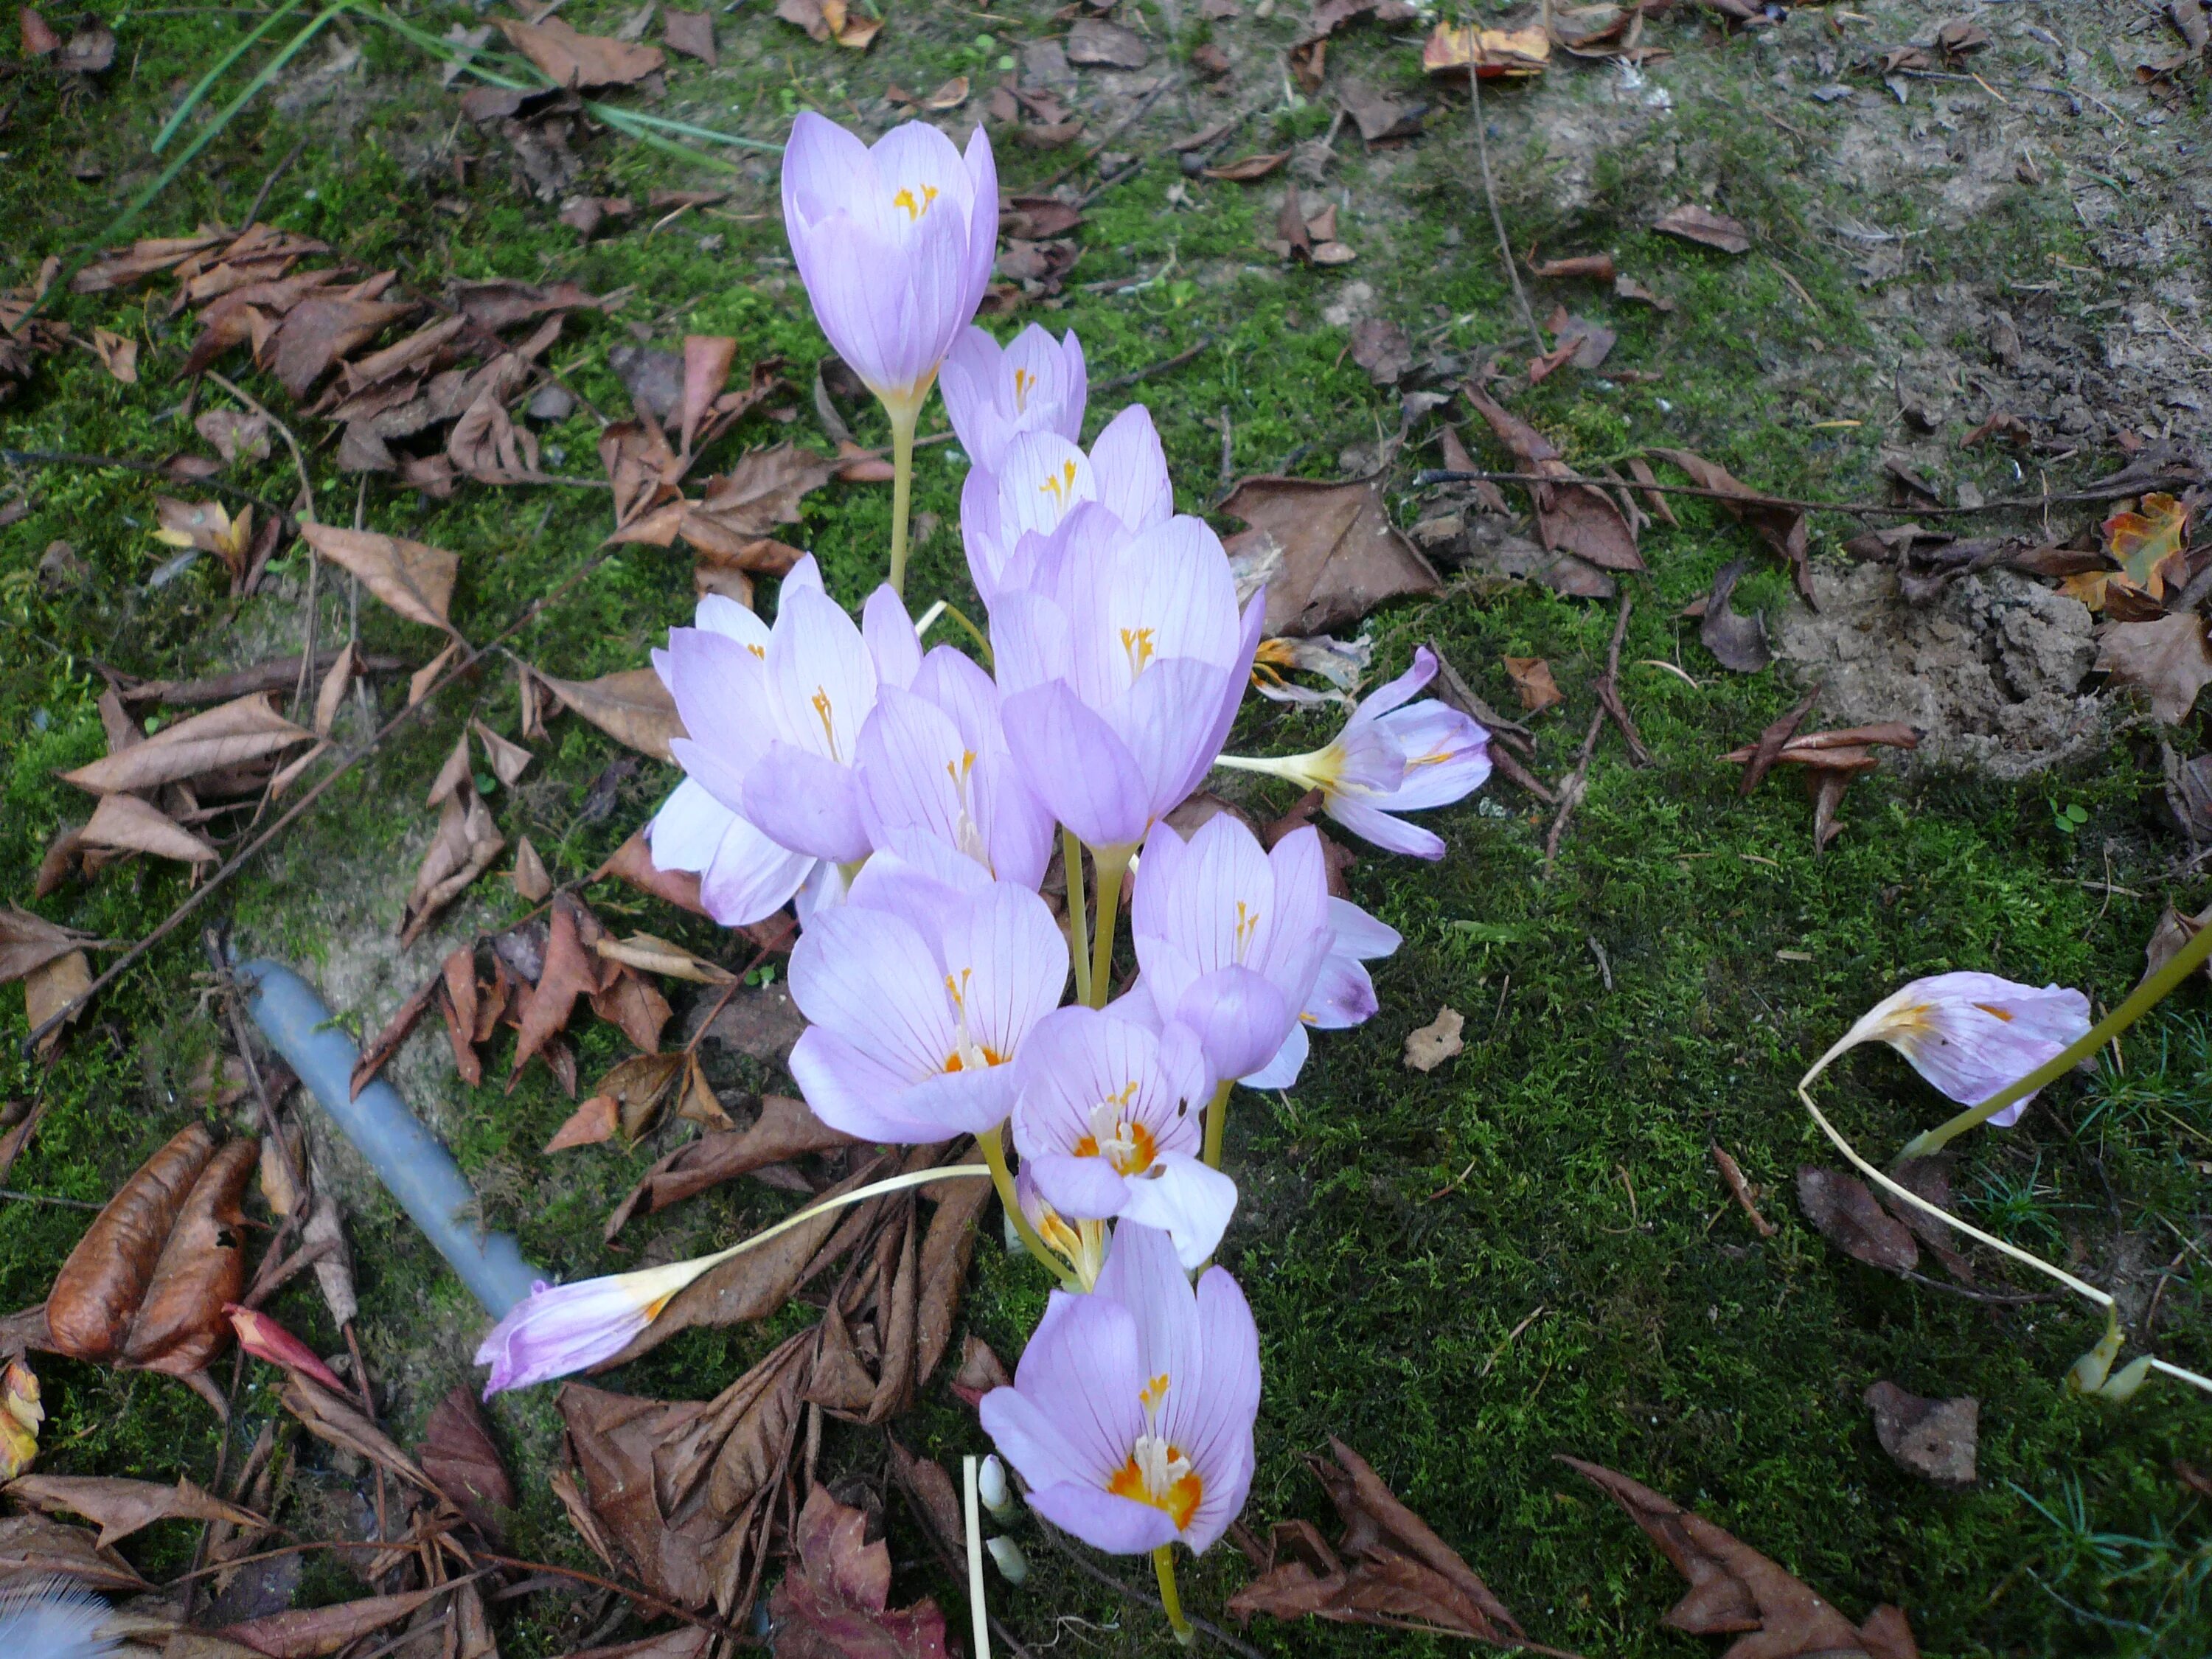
{"x": 264, "y": 1339}
{"x": 558, "y": 1329}
{"x": 1131, "y": 1412}
{"x": 1971, "y": 1033}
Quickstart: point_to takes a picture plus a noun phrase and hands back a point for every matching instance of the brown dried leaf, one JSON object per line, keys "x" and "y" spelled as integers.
{"x": 764, "y": 489}
{"x": 834, "y": 1603}
{"x": 317, "y": 332}
{"x": 1338, "y": 554}
{"x": 1383, "y": 349}
{"x": 28, "y": 943}
{"x": 420, "y": 681}
{"x": 1431, "y": 1045}
{"x": 707, "y": 361}
{"x": 592, "y": 1124}
{"x": 508, "y": 759}
{"x": 1935, "y": 1440}
{"x": 632, "y": 862}
{"x": 1597, "y": 266}
{"x": 691, "y": 33}
{"x": 533, "y": 884}
{"x": 32, "y": 1546}
{"x": 397, "y": 1030}
{"x": 127, "y": 824}
{"x": 787, "y": 1129}
{"x": 1456, "y": 51}
{"x": 1105, "y": 45}
{"x": 311, "y": 1633}
{"x": 2167, "y": 659}
{"x": 465, "y": 845}
{"x": 458, "y": 1454}
{"x": 1779, "y": 525}
{"x": 630, "y": 1095}
{"x": 1701, "y": 225}
{"x": 629, "y": 1001}
{"x": 119, "y": 1508}
{"x": 1246, "y": 169}
{"x": 415, "y": 580}
{"x": 1577, "y": 518}
{"x": 947, "y": 1247}
{"x": 570, "y": 971}
{"x": 1847, "y": 1215}
{"x": 49, "y": 989}
{"x": 1738, "y": 641}
{"x": 1533, "y": 682}
{"x": 38, "y": 38}
{"x": 1732, "y": 1587}
{"x": 658, "y": 956}
{"x": 569, "y": 59}
{"x": 500, "y": 302}
{"x": 330, "y": 695}
{"x": 486, "y": 446}
{"x": 216, "y": 740}
{"x": 98, "y": 1289}
{"x": 633, "y": 707}
{"x": 117, "y": 355}
{"x": 328, "y": 1418}
{"x": 831, "y": 20}
{"x": 180, "y": 1324}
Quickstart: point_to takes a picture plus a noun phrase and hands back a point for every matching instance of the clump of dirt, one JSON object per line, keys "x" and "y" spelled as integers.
{"x": 1990, "y": 672}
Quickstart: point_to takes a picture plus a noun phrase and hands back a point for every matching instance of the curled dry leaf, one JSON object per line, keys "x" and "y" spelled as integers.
{"x": 570, "y": 971}
{"x": 509, "y": 760}
{"x": 457, "y": 1454}
{"x": 117, "y": 355}
{"x": 105, "y": 1279}
{"x": 1432, "y": 1044}
{"x": 236, "y": 437}
{"x": 28, "y": 943}
{"x": 1701, "y": 225}
{"x": 1848, "y": 1217}
{"x": 119, "y": 1508}
{"x": 396, "y": 1030}
{"x": 1533, "y": 683}
{"x": 1739, "y": 641}
{"x": 786, "y": 1129}
{"x": 658, "y": 956}
{"x": 1575, "y": 518}
{"x": 415, "y": 580}
{"x": 1935, "y": 1440}
{"x": 463, "y": 847}
{"x": 632, "y": 863}
{"x": 1456, "y": 51}
{"x": 533, "y": 884}
{"x": 1247, "y": 168}
{"x": 265, "y": 1340}
{"x": 1780, "y": 525}
{"x": 1401, "y": 1574}
{"x": 219, "y": 739}
{"x": 1329, "y": 553}
{"x": 628, "y": 1098}
{"x": 181, "y": 1325}
{"x": 633, "y": 707}
{"x": 1733, "y": 1589}
{"x": 831, "y": 20}
{"x": 2166, "y": 660}
{"x": 32, "y": 1547}
{"x": 1597, "y": 266}
{"x": 577, "y": 61}
{"x": 834, "y": 1601}
{"x": 311, "y": 1633}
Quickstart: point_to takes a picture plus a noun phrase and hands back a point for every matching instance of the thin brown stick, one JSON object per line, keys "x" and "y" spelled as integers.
{"x": 268, "y": 179}
{"x": 1161, "y": 367}
{"x": 1496, "y": 218}
{"x": 2108, "y": 492}
{"x": 238, "y": 860}
{"x": 47, "y": 1197}
{"x": 150, "y": 469}
{"x": 1577, "y": 782}
{"x": 1136, "y": 1597}
{"x": 1739, "y": 1189}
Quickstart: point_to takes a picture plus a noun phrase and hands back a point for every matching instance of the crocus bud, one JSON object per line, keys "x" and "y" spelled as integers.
{"x": 1012, "y": 1565}
{"x": 990, "y": 1483}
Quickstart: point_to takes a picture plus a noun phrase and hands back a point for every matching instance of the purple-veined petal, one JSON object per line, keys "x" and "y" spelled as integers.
{"x": 1392, "y": 834}
{"x": 853, "y": 1091}
{"x": 810, "y": 803}
{"x": 751, "y": 877}
{"x": 687, "y": 831}
{"x": 1119, "y": 1525}
{"x": 1082, "y": 1188}
{"x": 888, "y": 632}
{"x": 1282, "y": 1070}
{"x": 1240, "y": 1018}
{"x": 875, "y": 981}
{"x": 1187, "y": 1201}
{"x": 1077, "y": 766}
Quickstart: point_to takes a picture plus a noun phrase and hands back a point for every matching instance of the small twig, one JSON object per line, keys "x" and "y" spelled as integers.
{"x": 2105, "y": 492}
{"x": 1136, "y": 1597}
{"x": 1741, "y": 1188}
{"x": 46, "y": 1198}
{"x": 1994, "y": 1298}
{"x": 1161, "y": 367}
{"x": 1577, "y": 782}
{"x": 150, "y": 469}
{"x": 1496, "y": 218}
{"x": 268, "y": 183}
{"x": 1108, "y": 136}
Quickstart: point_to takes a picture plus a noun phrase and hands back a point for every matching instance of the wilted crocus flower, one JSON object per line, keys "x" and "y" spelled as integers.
{"x": 1017, "y": 514}
{"x": 1105, "y": 1133}
{"x": 933, "y": 760}
{"x": 1343, "y": 995}
{"x": 774, "y": 717}
{"x": 895, "y": 242}
{"x": 1390, "y": 759}
{"x": 562, "y": 1328}
{"x": 1122, "y": 677}
{"x": 921, "y": 989}
{"x": 995, "y": 394}
{"x": 1971, "y": 1034}
{"x": 1132, "y": 1409}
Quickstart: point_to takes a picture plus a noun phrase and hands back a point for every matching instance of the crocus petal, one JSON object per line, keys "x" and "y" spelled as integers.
{"x": 808, "y": 803}
{"x": 1132, "y": 469}
{"x": 1282, "y": 1070}
{"x": 1077, "y": 766}
{"x": 875, "y": 981}
{"x": 558, "y": 1330}
{"x": 820, "y": 673}
{"x": 1119, "y": 1525}
{"x": 720, "y": 614}
{"x": 1218, "y": 1423}
{"x": 1185, "y": 1198}
{"x": 721, "y": 689}
{"x": 1393, "y": 694}
{"x": 1082, "y": 1370}
{"x": 687, "y": 831}
{"x": 751, "y": 877}
{"x": 1085, "y": 1188}
{"x": 853, "y": 1091}
{"x": 1240, "y": 1018}
{"x": 1972, "y": 1034}
{"x": 1446, "y": 757}
{"x": 1343, "y": 995}
{"x": 889, "y": 634}
{"x": 1019, "y": 960}
{"x": 1359, "y": 935}
{"x": 1392, "y": 834}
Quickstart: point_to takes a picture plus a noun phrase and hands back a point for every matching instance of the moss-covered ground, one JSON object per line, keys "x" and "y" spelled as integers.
{"x": 1524, "y": 1253}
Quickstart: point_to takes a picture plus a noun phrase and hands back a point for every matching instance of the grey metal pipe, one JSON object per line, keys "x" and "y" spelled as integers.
{"x": 407, "y": 1157}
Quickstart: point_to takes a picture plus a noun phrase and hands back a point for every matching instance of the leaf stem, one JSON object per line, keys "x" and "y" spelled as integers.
{"x": 995, "y": 1154}
{"x": 1111, "y": 863}
{"x": 902, "y": 425}
{"x": 1078, "y": 921}
{"x": 1217, "y": 1121}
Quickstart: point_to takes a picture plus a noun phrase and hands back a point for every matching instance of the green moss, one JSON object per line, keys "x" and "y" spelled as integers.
{"x": 1397, "y": 1229}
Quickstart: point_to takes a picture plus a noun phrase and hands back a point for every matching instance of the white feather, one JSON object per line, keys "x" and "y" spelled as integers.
{"x": 52, "y": 1618}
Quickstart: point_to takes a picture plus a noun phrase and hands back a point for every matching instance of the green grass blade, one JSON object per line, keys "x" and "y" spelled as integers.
{"x": 199, "y": 91}
{"x": 666, "y": 125}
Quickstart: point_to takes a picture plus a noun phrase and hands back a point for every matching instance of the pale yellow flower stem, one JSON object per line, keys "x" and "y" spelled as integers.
{"x": 1171, "y": 1598}
{"x": 843, "y": 1200}
{"x": 2145, "y": 997}
{"x": 1071, "y": 860}
{"x": 1287, "y": 767}
{"x": 968, "y": 1480}
{"x": 994, "y": 1155}
{"x": 1111, "y": 863}
{"x": 902, "y": 425}
{"x": 1217, "y": 1121}
{"x": 2026, "y": 1260}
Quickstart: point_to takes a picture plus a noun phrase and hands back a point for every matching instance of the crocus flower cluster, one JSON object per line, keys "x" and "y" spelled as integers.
{"x": 905, "y": 799}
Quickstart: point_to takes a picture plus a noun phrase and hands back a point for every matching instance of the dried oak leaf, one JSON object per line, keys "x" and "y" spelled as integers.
{"x": 1732, "y": 1587}
{"x": 119, "y": 1508}
{"x": 219, "y": 739}
{"x": 1739, "y": 641}
{"x": 577, "y": 61}
{"x": 1935, "y": 1440}
{"x": 1330, "y": 550}
{"x": 415, "y": 580}
{"x": 311, "y": 1633}
{"x": 835, "y": 1601}
{"x": 1403, "y": 1575}
{"x": 458, "y": 1454}
{"x": 786, "y": 1129}
{"x": 633, "y": 707}
{"x": 1847, "y": 1214}
{"x": 1701, "y": 225}
{"x": 32, "y": 1547}
{"x": 1780, "y": 525}
{"x": 1577, "y": 518}
{"x": 2167, "y": 659}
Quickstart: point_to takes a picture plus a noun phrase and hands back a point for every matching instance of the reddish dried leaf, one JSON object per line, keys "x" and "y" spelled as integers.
{"x": 100, "y": 1287}
{"x": 570, "y": 59}
{"x": 180, "y": 1324}
{"x": 265, "y": 1340}
{"x": 1698, "y": 224}
{"x": 691, "y": 33}
{"x": 1533, "y": 682}
{"x": 1575, "y": 517}
{"x": 633, "y": 707}
{"x": 1935, "y": 1440}
{"x": 457, "y": 1454}
{"x": 32, "y": 1546}
{"x": 1779, "y": 525}
{"x": 119, "y": 1508}
{"x": 632, "y": 862}
{"x": 1330, "y": 550}
{"x": 1848, "y": 1216}
{"x": 313, "y": 1632}
{"x": 834, "y": 1603}
{"x": 787, "y": 1129}
{"x": 1738, "y": 641}
{"x": 397, "y": 1030}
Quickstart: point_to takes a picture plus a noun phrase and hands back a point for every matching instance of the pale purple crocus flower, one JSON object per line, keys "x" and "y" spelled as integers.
{"x": 1231, "y": 939}
{"x": 1971, "y": 1033}
{"x": 895, "y": 242}
{"x": 559, "y": 1329}
{"x": 1080, "y": 1244}
{"x": 920, "y": 990}
{"x": 773, "y": 718}
{"x": 1123, "y": 674}
{"x": 994, "y": 393}
{"x": 1390, "y": 759}
{"x": 1018, "y": 514}
{"x": 1343, "y": 995}
{"x": 1105, "y": 1133}
{"x": 933, "y": 760}
{"x": 1132, "y": 1410}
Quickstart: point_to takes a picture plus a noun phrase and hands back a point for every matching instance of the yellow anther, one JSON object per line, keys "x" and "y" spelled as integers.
{"x": 915, "y": 209}
{"x": 1137, "y": 643}
{"x": 821, "y": 702}
{"x": 1023, "y": 381}
{"x": 1247, "y": 926}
